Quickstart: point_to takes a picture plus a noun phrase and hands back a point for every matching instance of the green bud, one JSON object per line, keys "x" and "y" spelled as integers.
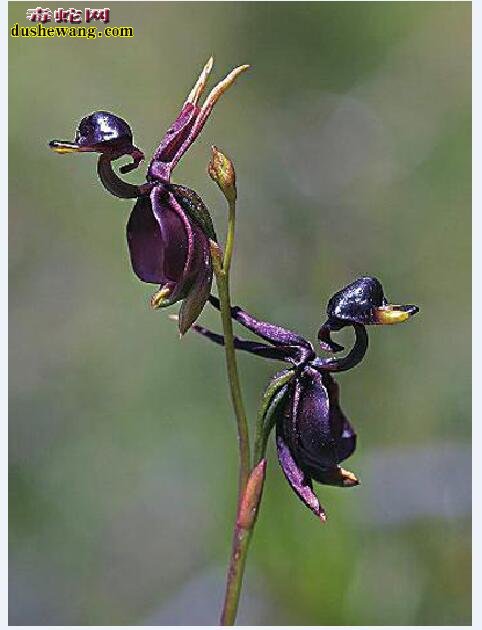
{"x": 221, "y": 171}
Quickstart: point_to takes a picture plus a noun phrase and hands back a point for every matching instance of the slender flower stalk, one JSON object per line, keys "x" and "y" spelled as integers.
{"x": 221, "y": 170}
{"x": 241, "y": 533}
{"x": 222, "y": 280}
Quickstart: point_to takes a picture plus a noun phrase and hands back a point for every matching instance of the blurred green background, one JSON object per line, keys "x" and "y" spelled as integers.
{"x": 351, "y": 136}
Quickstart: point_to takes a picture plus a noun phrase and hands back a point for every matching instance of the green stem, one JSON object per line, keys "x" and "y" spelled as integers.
{"x": 239, "y": 554}
{"x": 241, "y": 534}
{"x": 228, "y": 251}
{"x": 233, "y": 377}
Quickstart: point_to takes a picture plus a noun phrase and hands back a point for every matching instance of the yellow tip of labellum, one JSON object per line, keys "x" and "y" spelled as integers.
{"x": 393, "y": 314}
{"x": 339, "y": 477}
{"x": 349, "y": 478}
{"x": 64, "y": 147}
{"x": 157, "y": 300}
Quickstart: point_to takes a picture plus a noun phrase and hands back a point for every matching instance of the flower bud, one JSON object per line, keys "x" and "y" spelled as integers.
{"x": 221, "y": 171}
{"x": 252, "y": 496}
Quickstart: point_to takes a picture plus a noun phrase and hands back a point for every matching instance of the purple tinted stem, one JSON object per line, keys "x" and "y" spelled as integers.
{"x": 269, "y": 332}
{"x": 254, "y": 347}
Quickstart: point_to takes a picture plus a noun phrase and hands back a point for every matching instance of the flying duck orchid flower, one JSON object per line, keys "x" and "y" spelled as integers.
{"x": 313, "y": 435}
{"x": 170, "y": 228}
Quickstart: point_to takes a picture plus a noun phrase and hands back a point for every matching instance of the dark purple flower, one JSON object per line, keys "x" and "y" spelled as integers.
{"x": 169, "y": 229}
{"x": 313, "y": 435}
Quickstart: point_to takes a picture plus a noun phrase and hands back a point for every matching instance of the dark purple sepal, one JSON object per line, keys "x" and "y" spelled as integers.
{"x": 173, "y": 144}
{"x": 298, "y": 480}
{"x": 198, "y": 294}
{"x": 253, "y": 347}
{"x": 276, "y": 335}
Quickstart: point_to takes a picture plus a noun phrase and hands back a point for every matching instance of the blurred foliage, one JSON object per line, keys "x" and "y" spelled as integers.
{"x": 351, "y": 140}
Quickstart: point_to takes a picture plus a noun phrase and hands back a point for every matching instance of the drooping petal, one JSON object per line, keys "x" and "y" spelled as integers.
{"x": 290, "y": 449}
{"x": 346, "y": 443}
{"x": 297, "y": 478}
{"x": 254, "y": 347}
{"x": 177, "y": 236}
{"x": 198, "y": 294}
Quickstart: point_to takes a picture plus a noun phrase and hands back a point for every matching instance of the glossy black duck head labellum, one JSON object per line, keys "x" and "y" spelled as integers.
{"x": 361, "y": 302}
{"x": 98, "y": 132}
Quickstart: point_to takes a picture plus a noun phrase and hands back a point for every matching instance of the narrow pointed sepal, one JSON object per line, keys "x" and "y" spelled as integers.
{"x": 197, "y": 296}
{"x": 299, "y": 482}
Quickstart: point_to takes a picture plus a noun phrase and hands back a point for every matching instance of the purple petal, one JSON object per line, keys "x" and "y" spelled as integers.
{"x": 145, "y": 243}
{"x": 317, "y": 431}
{"x": 346, "y": 444}
{"x": 176, "y": 234}
{"x": 275, "y": 334}
{"x": 254, "y": 347}
{"x": 165, "y": 248}
{"x": 172, "y": 146}
{"x": 198, "y": 294}
{"x": 313, "y": 431}
{"x": 297, "y": 479}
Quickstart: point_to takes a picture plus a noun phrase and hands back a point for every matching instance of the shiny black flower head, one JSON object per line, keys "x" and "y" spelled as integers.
{"x": 102, "y": 129}
{"x": 98, "y": 132}
{"x": 105, "y": 133}
{"x": 362, "y": 302}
